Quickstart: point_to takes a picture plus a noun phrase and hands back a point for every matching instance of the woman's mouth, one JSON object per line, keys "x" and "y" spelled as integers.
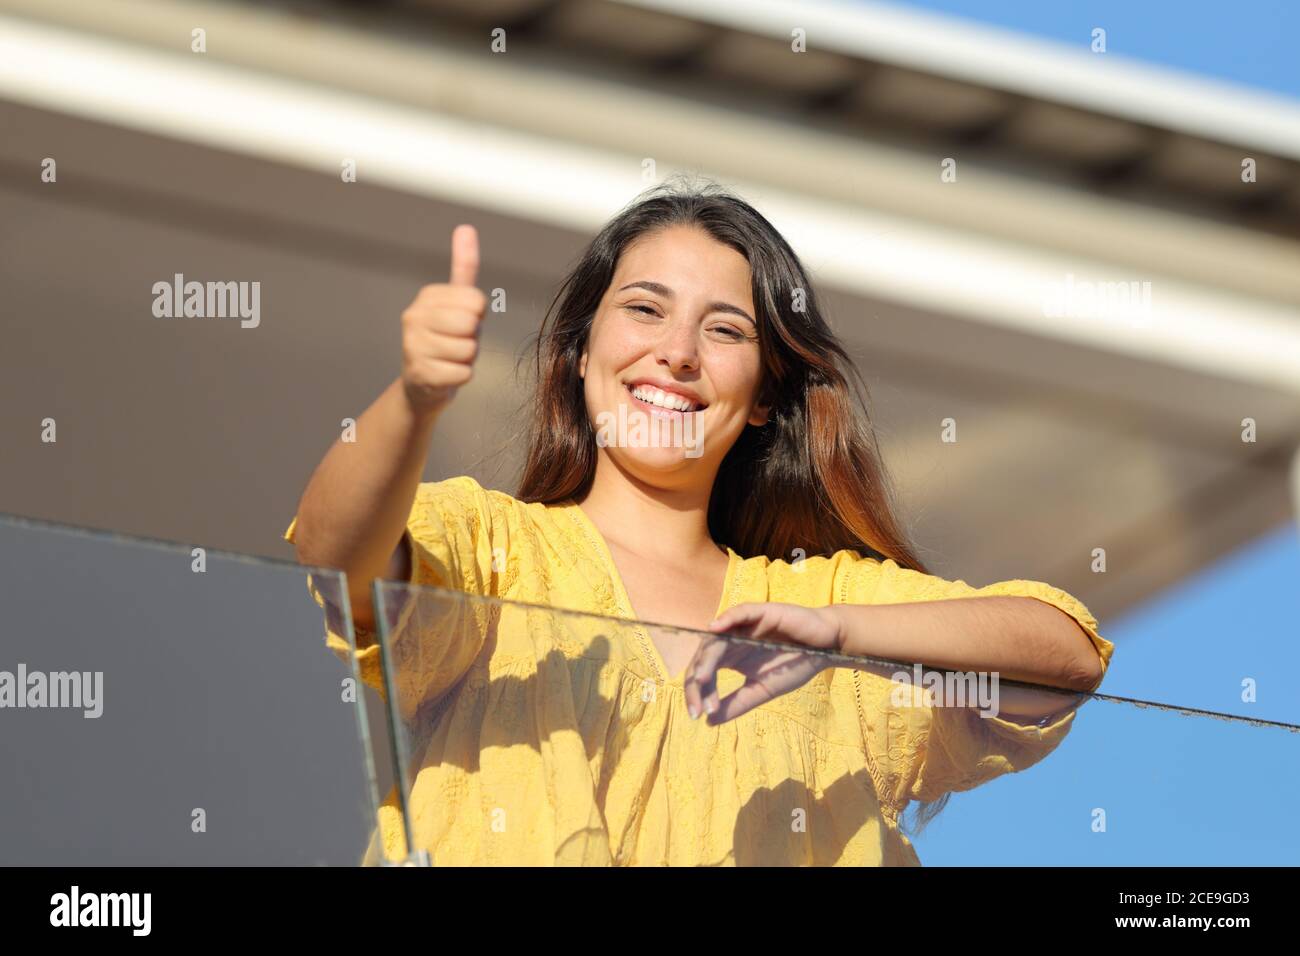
{"x": 656, "y": 401}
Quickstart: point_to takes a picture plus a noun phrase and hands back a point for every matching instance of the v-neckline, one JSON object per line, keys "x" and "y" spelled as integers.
{"x": 648, "y": 649}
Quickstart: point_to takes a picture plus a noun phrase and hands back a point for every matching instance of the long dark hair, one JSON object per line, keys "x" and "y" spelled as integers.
{"x": 811, "y": 478}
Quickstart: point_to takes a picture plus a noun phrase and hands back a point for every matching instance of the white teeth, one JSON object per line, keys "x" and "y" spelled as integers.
{"x": 656, "y": 396}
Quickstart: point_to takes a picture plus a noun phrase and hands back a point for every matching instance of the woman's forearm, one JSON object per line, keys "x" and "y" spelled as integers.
{"x": 1018, "y": 638}
{"x": 356, "y": 505}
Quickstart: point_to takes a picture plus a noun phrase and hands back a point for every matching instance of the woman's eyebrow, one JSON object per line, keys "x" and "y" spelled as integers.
{"x": 658, "y": 288}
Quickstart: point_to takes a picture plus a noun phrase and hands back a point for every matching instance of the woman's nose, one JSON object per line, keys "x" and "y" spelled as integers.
{"x": 677, "y": 345}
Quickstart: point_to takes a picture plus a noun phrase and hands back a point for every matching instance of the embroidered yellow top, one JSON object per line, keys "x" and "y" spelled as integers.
{"x": 585, "y": 767}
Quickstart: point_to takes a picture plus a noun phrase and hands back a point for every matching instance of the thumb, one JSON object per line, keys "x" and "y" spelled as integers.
{"x": 464, "y": 255}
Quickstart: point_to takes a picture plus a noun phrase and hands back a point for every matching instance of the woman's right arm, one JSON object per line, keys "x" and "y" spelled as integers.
{"x": 353, "y": 513}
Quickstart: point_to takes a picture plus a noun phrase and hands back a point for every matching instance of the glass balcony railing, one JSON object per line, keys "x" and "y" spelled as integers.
{"x": 531, "y": 735}
{"x": 163, "y": 704}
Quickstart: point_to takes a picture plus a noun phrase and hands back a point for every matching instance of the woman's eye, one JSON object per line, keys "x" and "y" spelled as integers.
{"x": 726, "y": 330}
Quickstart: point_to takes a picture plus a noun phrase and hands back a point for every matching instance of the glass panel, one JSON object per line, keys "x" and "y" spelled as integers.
{"x": 162, "y": 705}
{"x": 526, "y": 735}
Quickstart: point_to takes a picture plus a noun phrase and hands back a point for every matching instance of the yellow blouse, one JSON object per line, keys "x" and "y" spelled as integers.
{"x": 818, "y": 776}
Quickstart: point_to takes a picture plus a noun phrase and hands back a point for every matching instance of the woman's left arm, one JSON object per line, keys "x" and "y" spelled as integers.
{"x": 1017, "y": 637}
{"x": 1026, "y": 631}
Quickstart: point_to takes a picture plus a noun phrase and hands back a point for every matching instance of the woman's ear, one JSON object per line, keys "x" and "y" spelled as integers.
{"x": 759, "y": 415}
{"x": 582, "y": 365}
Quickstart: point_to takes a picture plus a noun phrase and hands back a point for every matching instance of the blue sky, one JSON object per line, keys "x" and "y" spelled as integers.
{"x": 1160, "y": 776}
{"x": 1249, "y": 44}
{"x": 1176, "y": 790}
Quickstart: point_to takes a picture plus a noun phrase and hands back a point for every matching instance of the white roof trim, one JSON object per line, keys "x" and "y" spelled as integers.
{"x": 1107, "y": 83}
{"x": 193, "y": 98}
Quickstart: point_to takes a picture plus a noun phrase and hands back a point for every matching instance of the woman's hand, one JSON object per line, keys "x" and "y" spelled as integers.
{"x": 440, "y": 329}
{"x": 768, "y": 673}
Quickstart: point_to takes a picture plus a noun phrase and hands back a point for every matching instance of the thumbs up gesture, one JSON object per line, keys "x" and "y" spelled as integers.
{"x": 440, "y": 329}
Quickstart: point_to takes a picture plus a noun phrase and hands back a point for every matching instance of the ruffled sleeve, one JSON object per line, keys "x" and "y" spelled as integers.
{"x": 434, "y": 637}
{"x": 916, "y": 751}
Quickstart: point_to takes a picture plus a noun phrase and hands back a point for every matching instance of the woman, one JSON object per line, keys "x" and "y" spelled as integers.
{"x": 775, "y": 523}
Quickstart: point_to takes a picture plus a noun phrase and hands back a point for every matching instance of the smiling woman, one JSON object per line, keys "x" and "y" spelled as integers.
{"x": 687, "y": 305}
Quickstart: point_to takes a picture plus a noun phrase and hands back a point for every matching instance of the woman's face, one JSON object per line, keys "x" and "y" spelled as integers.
{"x": 679, "y": 315}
